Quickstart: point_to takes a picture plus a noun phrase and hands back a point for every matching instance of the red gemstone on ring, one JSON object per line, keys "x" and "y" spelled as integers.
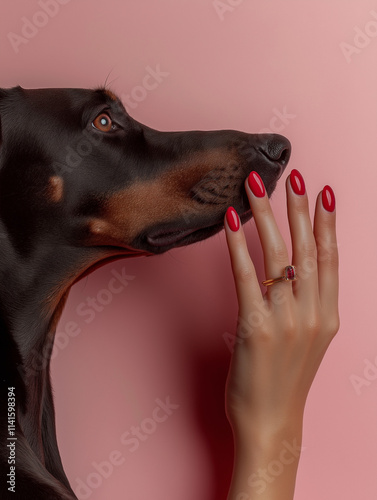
{"x": 290, "y": 273}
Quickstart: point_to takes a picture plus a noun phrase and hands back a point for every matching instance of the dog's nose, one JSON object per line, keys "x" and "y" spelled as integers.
{"x": 276, "y": 148}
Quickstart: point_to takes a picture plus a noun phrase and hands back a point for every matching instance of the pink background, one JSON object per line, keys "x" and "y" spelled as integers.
{"x": 162, "y": 336}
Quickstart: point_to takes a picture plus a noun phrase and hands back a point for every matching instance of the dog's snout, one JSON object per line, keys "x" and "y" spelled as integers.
{"x": 277, "y": 149}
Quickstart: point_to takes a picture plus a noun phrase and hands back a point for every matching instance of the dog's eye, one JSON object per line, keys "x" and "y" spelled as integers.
{"x": 104, "y": 123}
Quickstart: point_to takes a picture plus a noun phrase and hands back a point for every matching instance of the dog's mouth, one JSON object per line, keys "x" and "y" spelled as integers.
{"x": 164, "y": 239}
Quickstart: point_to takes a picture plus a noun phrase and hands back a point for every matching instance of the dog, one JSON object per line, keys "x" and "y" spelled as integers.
{"x": 83, "y": 184}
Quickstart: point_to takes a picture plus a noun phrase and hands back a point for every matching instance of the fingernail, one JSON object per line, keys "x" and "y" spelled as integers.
{"x": 256, "y": 185}
{"x": 232, "y": 219}
{"x": 297, "y": 182}
{"x": 328, "y": 199}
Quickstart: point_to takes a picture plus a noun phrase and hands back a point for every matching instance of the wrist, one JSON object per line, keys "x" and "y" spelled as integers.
{"x": 266, "y": 463}
{"x": 266, "y": 433}
{"x": 269, "y": 445}
{"x": 266, "y": 470}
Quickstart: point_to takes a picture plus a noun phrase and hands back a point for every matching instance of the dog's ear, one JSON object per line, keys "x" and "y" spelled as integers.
{"x": 6, "y": 96}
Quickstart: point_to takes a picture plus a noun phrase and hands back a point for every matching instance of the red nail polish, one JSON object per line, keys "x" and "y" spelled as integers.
{"x": 297, "y": 182}
{"x": 328, "y": 199}
{"x": 256, "y": 185}
{"x": 232, "y": 219}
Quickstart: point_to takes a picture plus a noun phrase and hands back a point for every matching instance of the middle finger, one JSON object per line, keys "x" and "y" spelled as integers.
{"x": 304, "y": 249}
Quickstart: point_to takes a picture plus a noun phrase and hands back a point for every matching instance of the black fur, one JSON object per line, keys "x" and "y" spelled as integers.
{"x": 67, "y": 205}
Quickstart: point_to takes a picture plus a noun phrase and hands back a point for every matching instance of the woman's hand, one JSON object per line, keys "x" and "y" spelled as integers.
{"x": 282, "y": 335}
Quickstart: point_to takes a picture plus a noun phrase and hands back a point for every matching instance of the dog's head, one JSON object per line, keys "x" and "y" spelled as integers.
{"x": 77, "y": 170}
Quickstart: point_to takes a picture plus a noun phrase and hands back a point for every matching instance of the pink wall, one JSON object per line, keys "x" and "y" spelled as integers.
{"x": 227, "y": 64}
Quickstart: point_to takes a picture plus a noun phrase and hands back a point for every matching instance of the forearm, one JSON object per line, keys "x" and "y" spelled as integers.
{"x": 265, "y": 468}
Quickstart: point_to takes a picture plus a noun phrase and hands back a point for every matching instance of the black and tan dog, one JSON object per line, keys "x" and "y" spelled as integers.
{"x": 81, "y": 184}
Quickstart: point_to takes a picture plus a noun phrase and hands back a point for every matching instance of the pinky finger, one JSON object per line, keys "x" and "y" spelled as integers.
{"x": 327, "y": 255}
{"x": 245, "y": 278}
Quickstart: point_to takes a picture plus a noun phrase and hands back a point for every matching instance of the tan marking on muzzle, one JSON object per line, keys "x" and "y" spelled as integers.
{"x": 55, "y": 189}
{"x": 106, "y": 233}
{"x": 161, "y": 200}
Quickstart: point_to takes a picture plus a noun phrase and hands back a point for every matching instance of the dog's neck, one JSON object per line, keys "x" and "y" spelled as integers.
{"x": 33, "y": 292}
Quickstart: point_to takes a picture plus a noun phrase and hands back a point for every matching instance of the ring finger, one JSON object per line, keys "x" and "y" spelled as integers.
{"x": 274, "y": 249}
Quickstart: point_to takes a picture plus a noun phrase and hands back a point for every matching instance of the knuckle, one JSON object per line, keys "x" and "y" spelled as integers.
{"x": 263, "y": 210}
{"x": 263, "y": 336}
{"x": 254, "y": 325}
{"x": 278, "y": 253}
{"x": 308, "y": 266}
{"x": 327, "y": 250}
{"x": 313, "y": 326}
{"x": 332, "y": 326}
{"x": 308, "y": 248}
{"x": 302, "y": 207}
{"x": 289, "y": 327}
{"x": 244, "y": 274}
{"x": 313, "y": 323}
{"x": 289, "y": 330}
{"x": 333, "y": 260}
{"x": 331, "y": 257}
{"x": 327, "y": 223}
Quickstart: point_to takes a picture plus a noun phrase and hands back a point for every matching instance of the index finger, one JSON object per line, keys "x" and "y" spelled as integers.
{"x": 245, "y": 278}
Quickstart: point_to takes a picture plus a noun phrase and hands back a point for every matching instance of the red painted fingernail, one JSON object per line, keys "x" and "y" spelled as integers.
{"x": 297, "y": 182}
{"x": 232, "y": 219}
{"x": 328, "y": 199}
{"x": 256, "y": 185}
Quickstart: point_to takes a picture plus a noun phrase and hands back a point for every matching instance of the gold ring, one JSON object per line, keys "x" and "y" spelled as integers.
{"x": 289, "y": 275}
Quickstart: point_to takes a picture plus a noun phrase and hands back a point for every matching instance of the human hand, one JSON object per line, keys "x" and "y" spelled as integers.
{"x": 283, "y": 334}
